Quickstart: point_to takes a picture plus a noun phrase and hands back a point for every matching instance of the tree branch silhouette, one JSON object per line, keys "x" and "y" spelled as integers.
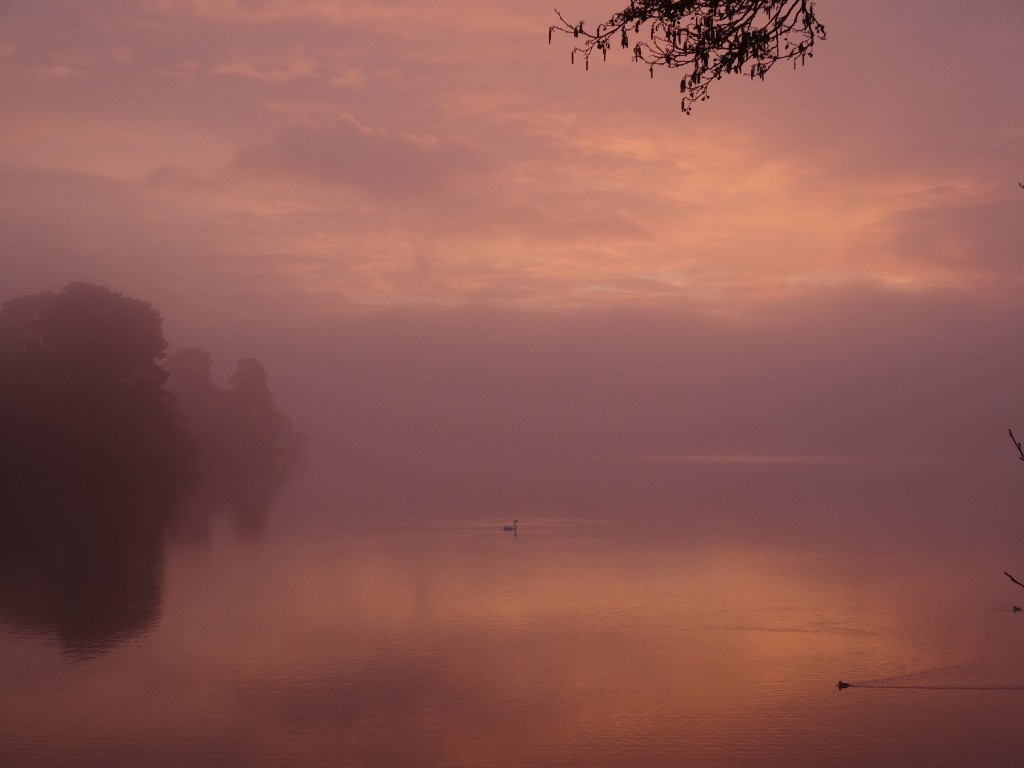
{"x": 1020, "y": 452}
{"x": 711, "y": 38}
{"x": 1016, "y": 442}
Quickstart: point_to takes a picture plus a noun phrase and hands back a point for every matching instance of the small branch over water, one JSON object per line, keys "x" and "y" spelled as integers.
{"x": 1016, "y": 442}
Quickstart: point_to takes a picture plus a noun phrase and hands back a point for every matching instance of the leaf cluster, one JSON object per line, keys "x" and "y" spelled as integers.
{"x": 709, "y": 38}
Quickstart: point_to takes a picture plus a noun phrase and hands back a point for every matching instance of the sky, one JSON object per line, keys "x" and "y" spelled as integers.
{"x": 466, "y": 262}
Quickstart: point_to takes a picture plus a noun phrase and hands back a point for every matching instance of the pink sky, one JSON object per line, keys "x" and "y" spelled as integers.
{"x": 831, "y": 256}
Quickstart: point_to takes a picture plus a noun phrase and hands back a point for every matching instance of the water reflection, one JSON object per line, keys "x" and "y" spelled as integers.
{"x": 459, "y": 645}
{"x": 83, "y": 563}
{"x": 243, "y": 498}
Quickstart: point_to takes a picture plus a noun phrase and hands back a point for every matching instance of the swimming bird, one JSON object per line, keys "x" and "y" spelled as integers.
{"x": 513, "y": 527}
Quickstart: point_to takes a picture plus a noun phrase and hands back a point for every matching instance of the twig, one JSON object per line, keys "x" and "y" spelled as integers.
{"x": 1016, "y": 442}
{"x": 1014, "y": 580}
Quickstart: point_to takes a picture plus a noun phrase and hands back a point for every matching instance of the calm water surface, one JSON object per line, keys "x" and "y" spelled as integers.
{"x": 574, "y": 642}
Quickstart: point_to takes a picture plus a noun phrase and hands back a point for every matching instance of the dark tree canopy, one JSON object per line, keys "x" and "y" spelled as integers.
{"x": 707, "y": 38}
{"x": 82, "y": 388}
{"x": 199, "y": 403}
{"x": 244, "y": 447}
{"x": 239, "y": 428}
{"x": 262, "y": 432}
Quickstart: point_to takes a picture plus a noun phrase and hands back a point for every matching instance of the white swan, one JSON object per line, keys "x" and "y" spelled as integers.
{"x": 514, "y": 527}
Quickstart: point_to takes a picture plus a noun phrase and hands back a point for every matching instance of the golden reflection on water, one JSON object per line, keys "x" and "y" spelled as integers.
{"x": 461, "y": 645}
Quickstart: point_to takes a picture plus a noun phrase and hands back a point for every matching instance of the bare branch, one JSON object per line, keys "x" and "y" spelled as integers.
{"x": 1016, "y": 442}
{"x": 1020, "y": 452}
{"x": 711, "y": 38}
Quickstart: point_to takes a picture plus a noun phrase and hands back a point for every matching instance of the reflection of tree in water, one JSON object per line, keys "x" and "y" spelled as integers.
{"x": 83, "y": 564}
{"x": 242, "y": 497}
{"x": 100, "y": 459}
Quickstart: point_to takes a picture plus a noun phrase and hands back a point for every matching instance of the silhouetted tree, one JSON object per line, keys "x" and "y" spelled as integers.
{"x": 239, "y": 427}
{"x": 709, "y": 38}
{"x": 262, "y": 434}
{"x": 245, "y": 447}
{"x": 190, "y": 370}
{"x": 254, "y": 419}
{"x": 200, "y": 403}
{"x": 82, "y": 390}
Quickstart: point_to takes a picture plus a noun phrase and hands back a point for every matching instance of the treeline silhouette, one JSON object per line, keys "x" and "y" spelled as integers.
{"x": 82, "y": 392}
{"x": 236, "y": 427}
{"x": 242, "y": 447}
{"x": 105, "y": 450}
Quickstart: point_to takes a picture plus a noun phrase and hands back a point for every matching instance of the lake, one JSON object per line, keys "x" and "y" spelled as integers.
{"x": 582, "y": 640}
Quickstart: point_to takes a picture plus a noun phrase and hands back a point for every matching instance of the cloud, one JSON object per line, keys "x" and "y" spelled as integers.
{"x": 382, "y": 163}
{"x": 482, "y": 167}
{"x": 66, "y": 66}
{"x": 348, "y": 78}
{"x": 291, "y": 65}
{"x": 975, "y": 236}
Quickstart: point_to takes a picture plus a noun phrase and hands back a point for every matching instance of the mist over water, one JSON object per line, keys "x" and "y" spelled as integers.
{"x": 845, "y": 419}
{"x": 704, "y": 550}
{"x": 333, "y": 637}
